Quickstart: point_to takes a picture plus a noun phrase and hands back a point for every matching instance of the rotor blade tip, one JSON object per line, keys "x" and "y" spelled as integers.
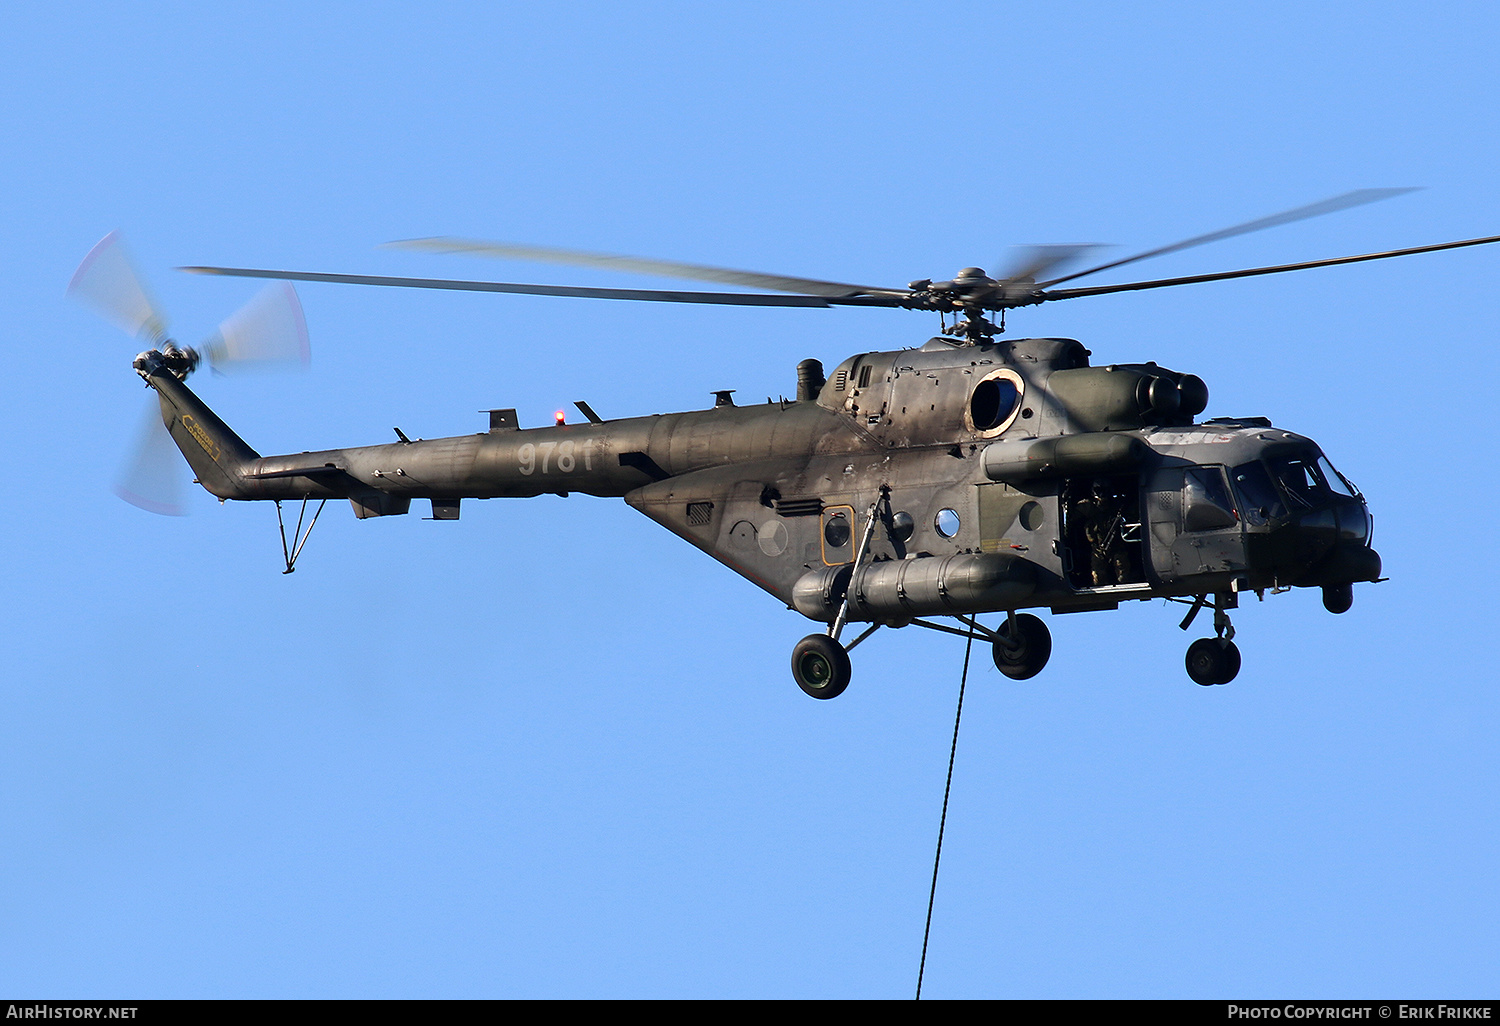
{"x": 88, "y": 260}
{"x": 440, "y": 242}
{"x": 166, "y": 509}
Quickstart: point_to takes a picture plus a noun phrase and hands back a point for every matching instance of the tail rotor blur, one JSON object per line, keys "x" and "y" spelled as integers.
{"x": 267, "y": 332}
{"x": 108, "y": 282}
{"x": 152, "y": 476}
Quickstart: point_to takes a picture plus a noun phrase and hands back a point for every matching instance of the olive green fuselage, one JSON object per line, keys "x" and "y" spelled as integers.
{"x": 949, "y": 479}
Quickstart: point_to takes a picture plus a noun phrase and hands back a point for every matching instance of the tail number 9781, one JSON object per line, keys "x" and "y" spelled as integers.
{"x": 567, "y": 462}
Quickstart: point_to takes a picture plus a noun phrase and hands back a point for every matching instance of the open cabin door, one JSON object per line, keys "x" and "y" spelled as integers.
{"x": 1102, "y": 532}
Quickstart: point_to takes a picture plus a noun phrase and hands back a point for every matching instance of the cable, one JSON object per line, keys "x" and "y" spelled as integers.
{"x": 943, "y": 822}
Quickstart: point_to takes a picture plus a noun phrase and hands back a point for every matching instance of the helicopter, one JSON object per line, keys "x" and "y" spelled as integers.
{"x": 972, "y": 475}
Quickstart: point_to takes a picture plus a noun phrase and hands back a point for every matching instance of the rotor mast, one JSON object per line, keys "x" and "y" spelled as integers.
{"x": 969, "y": 296}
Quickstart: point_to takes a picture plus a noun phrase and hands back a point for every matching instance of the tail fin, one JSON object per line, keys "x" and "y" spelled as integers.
{"x": 219, "y": 457}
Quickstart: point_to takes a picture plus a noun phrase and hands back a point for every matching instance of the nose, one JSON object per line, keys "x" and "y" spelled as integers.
{"x": 1335, "y": 542}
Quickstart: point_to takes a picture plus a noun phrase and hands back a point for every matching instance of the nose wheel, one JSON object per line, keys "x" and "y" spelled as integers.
{"x": 1214, "y": 660}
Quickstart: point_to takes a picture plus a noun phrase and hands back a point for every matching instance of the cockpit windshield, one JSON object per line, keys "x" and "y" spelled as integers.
{"x": 1336, "y": 481}
{"x": 1293, "y": 483}
{"x": 1301, "y": 481}
{"x": 1307, "y": 481}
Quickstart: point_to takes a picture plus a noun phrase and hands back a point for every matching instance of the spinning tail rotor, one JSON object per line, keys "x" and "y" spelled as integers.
{"x": 269, "y": 331}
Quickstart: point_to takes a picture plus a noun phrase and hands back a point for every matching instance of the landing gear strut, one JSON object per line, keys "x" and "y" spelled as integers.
{"x": 820, "y": 664}
{"x": 1214, "y": 660}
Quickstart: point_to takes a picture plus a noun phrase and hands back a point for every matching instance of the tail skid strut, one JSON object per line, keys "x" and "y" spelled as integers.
{"x": 299, "y": 537}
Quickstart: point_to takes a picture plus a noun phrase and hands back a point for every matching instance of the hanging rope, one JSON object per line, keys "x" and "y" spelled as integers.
{"x": 943, "y": 822}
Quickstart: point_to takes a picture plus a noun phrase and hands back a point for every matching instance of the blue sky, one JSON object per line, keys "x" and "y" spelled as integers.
{"x": 552, "y": 751}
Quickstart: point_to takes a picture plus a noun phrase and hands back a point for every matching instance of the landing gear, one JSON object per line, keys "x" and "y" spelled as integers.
{"x": 821, "y": 666}
{"x": 1022, "y": 646}
{"x": 1213, "y": 661}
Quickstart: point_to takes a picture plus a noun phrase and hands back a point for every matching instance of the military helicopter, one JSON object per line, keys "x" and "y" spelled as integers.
{"x": 972, "y": 475}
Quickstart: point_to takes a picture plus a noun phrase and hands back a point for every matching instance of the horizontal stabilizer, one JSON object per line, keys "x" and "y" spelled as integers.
{"x": 322, "y": 468}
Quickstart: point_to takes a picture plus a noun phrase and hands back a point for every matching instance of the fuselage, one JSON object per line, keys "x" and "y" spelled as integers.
{"x": 997, "y": 476}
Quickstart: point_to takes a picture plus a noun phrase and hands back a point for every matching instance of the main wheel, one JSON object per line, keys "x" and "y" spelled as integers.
{"x": 1024, "y": 655}
{"x": 1213, "y": 661}
{"x": 820, "y": 666}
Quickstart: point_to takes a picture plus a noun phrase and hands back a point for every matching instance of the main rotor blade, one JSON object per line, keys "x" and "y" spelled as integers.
{"x": 643, "y": 265}
{"x": 1358, "y": 197}
{"x": 1034, "y": 261}
{"x": 652, "y": 295}
{"x": 266, "y": 332}
{"x": 1250, "y": 272}
{"x": 108, "y": 281}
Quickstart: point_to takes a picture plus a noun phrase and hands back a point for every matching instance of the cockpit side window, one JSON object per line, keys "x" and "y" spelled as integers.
{"x": 1207, "y": 505}
{"x": 1258, "y": 495}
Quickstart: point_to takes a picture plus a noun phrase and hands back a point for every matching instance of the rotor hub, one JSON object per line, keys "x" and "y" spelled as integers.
{"x": 171, "y": 359}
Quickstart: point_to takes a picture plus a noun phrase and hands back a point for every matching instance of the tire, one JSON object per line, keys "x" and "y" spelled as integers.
{"x": 1211, "y": 661}
{"x": 820, "y": 666}
{"x": 1024, "y": 656}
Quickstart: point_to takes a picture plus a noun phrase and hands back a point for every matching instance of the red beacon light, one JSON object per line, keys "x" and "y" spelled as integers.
{"x": 561, "y": 420}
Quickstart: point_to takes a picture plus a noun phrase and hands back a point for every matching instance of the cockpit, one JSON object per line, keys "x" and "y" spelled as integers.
{"x": 1267, "y": 515}
{"x": 1295, "y": 484}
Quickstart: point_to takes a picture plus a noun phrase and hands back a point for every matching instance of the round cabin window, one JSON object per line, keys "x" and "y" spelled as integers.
{"x": 836, "y": 532}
